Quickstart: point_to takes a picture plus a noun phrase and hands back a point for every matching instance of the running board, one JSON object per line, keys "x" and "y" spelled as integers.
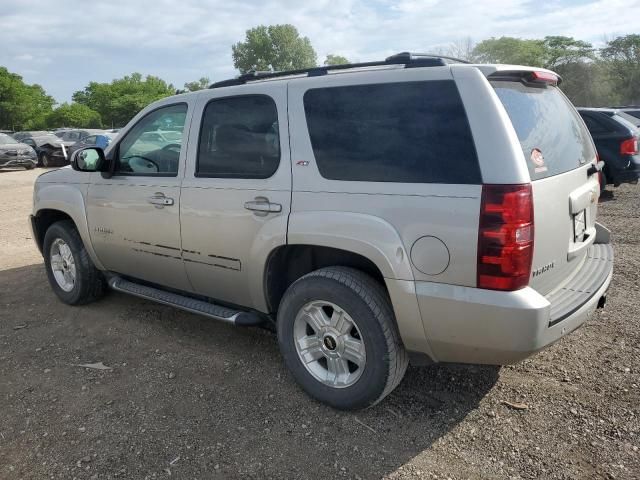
{"x": 211, "y": 310}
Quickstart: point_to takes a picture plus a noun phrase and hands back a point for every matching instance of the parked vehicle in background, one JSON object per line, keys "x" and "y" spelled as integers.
{"x": 373, "y": 213}
{"x": 633, "y": 110}
{"x": 7, "y": 132}
{"x": 30, "y": 134}
{"x": 616, "y": 141}
{"x": 16, "y": 154}
{"x": 101, "y": 140}
{"x": 635, "y": 121}
{"x": 51, "y": 150}
{"x": 77, "y": 134}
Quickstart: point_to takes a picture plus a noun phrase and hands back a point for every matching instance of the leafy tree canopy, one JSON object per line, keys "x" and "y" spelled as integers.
{"x": 335, "y": 60}
{"x": 276, "y": 47}
{"x": 516, "y": 51}
{"x": 22, "y": 106}
{"x": 200, "y": 84}
{"x": 117, "y": 102}
{"x": 622, "y": 58}
{"x": 74, "y": 115}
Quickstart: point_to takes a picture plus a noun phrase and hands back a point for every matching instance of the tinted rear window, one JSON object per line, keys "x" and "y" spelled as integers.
{"x": 546, "y": 121}
{"x": 414, "y": 132}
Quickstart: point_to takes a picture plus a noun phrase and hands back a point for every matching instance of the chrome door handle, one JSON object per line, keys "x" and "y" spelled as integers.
{"x": 159, "y": 200}
{"x": 263, "y": 205}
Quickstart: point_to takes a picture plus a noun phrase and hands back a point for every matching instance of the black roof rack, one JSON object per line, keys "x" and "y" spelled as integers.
{"x": 408, "y": 59}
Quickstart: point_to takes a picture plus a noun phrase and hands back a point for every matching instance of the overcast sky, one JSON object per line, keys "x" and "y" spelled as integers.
{"x": 63, "y": 45}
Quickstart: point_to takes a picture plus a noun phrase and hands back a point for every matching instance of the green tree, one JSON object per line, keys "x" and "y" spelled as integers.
{"x": 516, "y": 51}
{"x": 560, "y": 51}
{"x": 197, "y": 85}
{"x": 622, "y": 58}
{"x": 117, "y": 102}
{"x": 335, "y": 60}
{"x": 22, "y": 106}
{"x": 74, "y": 115}
{"x": 276, "y": 47}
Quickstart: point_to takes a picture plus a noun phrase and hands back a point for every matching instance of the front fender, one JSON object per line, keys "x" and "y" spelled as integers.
{"x": 369, "y": 236}
{"x": 68, "y": 199}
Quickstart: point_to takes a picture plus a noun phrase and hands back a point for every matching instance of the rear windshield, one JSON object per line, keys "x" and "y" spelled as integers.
{"x": 550, "y": 131}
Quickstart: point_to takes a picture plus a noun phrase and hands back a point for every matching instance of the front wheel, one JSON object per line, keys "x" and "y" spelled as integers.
{"x": 338, "y": 336}
{"x": 71, "y": 273}
{"x": 45, "y": 161}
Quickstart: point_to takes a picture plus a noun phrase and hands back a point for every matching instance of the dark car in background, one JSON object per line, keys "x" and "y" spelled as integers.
{"x": 616, "y": 141}
{"x": 16, "y": 154}
{"x": 101, "y": 140}
{"x": 633, "y": 110}
{"x": 50, "y": 149}
{"x": 28, "y": 134}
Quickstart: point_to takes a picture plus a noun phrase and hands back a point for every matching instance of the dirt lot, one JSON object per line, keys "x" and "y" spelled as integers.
{"x": 191, "y": 398}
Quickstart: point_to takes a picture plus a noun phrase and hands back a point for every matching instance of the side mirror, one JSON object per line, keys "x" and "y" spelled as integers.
{"x": 90, "y": 159}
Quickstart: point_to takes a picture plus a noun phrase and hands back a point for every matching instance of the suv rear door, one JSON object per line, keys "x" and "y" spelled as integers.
{"x": 559, "y": 153}
{"x": 236, "y": 193}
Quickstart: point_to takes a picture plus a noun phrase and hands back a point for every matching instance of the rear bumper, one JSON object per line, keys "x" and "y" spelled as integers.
{"x": 471, "y": 325}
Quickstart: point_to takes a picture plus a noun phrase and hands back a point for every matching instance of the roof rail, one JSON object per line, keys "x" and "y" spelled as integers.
{"x": 408, "y": 59}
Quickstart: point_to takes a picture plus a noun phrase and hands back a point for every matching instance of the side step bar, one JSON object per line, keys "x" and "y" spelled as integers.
{"x": 211, "y": 310}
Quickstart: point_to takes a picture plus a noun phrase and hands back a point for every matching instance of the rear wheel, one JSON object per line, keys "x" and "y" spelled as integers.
{"x": 338, "y": 336}
{"x": 72, "y": 275}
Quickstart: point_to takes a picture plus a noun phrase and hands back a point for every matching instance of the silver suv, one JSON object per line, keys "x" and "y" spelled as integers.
{"x": 415, "y": 208}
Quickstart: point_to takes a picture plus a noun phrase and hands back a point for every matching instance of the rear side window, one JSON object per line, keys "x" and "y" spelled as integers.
{"x": 239, "y": 138}
{"x": 412, "y": 132}
{"x": 551, "y": 134}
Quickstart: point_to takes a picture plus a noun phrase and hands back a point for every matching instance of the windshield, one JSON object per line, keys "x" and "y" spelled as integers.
{"x": 553, "y": 138}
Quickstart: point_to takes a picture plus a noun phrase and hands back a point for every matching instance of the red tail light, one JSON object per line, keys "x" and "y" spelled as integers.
{"x": 505, "y": 237}
{"x": 629, "y": 146}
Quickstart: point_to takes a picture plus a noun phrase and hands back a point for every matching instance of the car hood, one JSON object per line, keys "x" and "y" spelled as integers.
{"x": 14, "y": 146}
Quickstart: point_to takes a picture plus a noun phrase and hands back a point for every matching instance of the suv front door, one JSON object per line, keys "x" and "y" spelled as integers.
{"x": 133, "y": 216}
{"x": 236, "y": 192}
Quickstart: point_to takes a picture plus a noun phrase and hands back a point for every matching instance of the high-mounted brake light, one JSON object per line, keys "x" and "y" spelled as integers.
{"x": 505, "y": 237}
{"x": 544, "y": 77}
{"x": 629, "y": 146}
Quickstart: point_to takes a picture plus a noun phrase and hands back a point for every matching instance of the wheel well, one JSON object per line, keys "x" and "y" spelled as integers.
{"x": 43, "y": 220}
{"x": 288, "y": 263}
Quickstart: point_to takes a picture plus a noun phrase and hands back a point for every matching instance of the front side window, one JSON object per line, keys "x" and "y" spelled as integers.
{"x": 150, "y": 148}
{"x": 410, "y": 132}
{"x": 239, "y": 138}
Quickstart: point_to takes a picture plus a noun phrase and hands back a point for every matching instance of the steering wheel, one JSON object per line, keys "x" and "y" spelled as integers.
{"x": 172, "y": 146}
{"x": 140, "y": 164}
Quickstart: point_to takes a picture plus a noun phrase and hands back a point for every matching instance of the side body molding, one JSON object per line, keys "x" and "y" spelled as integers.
{"x": 69, "y": 199}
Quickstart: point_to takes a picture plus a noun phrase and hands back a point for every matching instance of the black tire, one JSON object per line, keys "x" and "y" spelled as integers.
{"x": 28, "y": 166}
{"x": 89, "y": 284}
{"x": 368, "y": 304}
{"x": 45, "y": 161}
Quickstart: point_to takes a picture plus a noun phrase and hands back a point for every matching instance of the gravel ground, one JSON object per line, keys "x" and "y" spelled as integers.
{"x": 186, "y": 397}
